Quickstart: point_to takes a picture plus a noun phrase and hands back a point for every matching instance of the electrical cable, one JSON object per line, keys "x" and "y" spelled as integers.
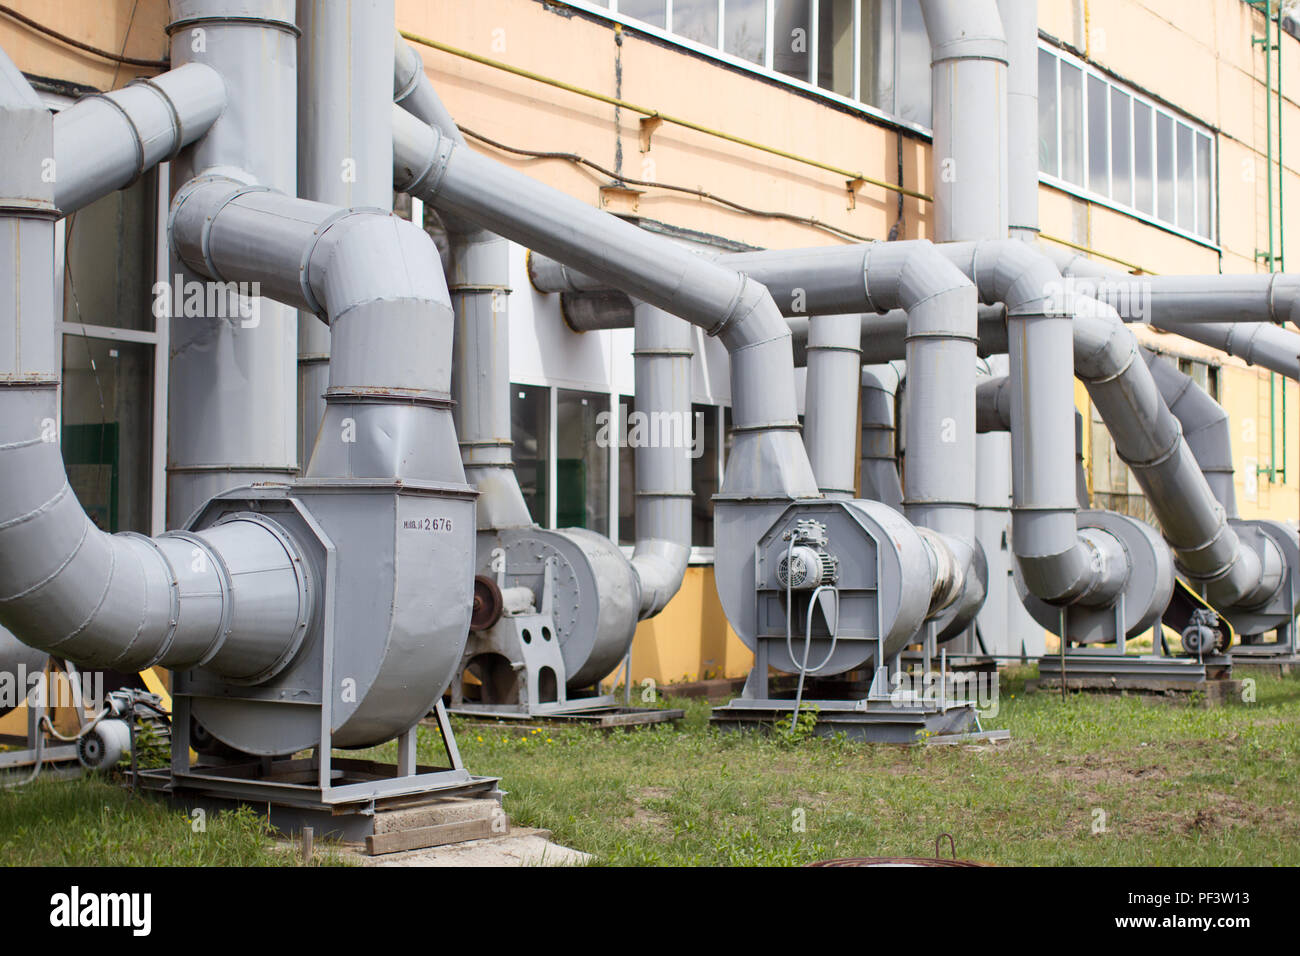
{"x": 689, "y": 190}
{"x": 804, "y": 669}
{"x": 86, "y": 47}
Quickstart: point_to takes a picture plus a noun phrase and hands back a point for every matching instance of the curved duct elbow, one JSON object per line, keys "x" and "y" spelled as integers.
{"x": 107, "y": 140}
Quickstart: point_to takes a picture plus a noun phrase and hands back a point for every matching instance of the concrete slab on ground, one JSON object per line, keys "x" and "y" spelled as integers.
{"x": 520, "y": 847}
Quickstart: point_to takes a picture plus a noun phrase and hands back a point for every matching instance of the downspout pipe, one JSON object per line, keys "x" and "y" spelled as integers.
{"x": 106, "y": 141}
{"x": 768, "y": 459}
{"x": 345, "y": 147}
{"x": 662, "y": 356}
{"x": 1060, "y": 563}
{"x": 880, "y": 478}
{"x": 1205, "y": 426}
{"x": 231, "y": 598}
{"x": 968, "y": 79}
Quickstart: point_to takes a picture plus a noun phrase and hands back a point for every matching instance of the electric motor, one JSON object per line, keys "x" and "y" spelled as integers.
{"x": 103, "y": 746}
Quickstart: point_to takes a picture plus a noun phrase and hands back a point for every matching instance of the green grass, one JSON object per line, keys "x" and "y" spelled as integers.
{"x": 1178, "y": 784}
{"x": 93, "y": 821}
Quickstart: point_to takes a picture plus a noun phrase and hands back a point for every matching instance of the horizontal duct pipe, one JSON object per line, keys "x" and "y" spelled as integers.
{"x": 740, "y": 312}
{"x": 106, "y": 141}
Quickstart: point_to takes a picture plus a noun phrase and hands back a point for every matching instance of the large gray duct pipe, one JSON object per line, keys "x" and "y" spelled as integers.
{"x": 233, "y": 395}
{"x": 662, "y": 354}
{"x": 345, "y": 147}
{"x": 880, "y": 478}
{"x": 1263, "y": 342}
{"x": 968, "y": 79}
{"x": 1061, "y": 563}
{"x": 941, "y": 329}
{"x": 830, "y": 431}
{"x": 232, "y": 598}
{"x": 1147, "y": 437}
{"x": 1020, "y": 25}
{"x": 1204, "y": 424}
{"x": 106, "y": 141}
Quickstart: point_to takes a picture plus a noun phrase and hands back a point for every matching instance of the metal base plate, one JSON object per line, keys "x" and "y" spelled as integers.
{"x": 358, "y": 790}
{"x": 1092, "y": 664}
{"x": 876, "y": 721}
{"x": 574, "y": 706}
{"x": 603, "y": 717}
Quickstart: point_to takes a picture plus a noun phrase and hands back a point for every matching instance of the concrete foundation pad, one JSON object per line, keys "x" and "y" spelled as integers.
{"x": 520, "y": 847}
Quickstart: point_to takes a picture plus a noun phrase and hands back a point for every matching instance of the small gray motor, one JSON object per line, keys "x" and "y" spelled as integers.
{"x": 105, "y": 744}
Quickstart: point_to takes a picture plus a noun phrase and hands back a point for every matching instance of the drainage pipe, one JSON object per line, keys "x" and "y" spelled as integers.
{"x": 1204, "y": 424}
{"x": 233, "y": 396}
{"x": 106, "y": 141}
{"x": 232, "y": 598}
{"x": 662, "y": 355}
{"x": 345, "y": 147}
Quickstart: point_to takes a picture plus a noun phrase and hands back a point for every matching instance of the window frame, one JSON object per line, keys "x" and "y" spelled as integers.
{"x": 766, "y": 69}
{"x": 1159, "y": 110}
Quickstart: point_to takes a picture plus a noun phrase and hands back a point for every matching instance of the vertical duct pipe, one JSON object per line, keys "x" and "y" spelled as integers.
{"x": 345, "y": 147}
{"x": 662, "y": 355}
{"x": 830, "y": 419}
{"x": 233, "y": 386}
{"x": 1020, "y": 25}
{"x": 880, "y": 478}
{"x": 968, "y": 80}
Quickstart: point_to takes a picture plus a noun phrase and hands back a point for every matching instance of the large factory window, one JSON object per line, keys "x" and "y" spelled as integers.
{"x": 1140, "y": 157}
{"x": 872, "y": 52}
{"x": 110, "y": 400}
{"x": 581, "y": 461}
{"x": 530, "y": 417}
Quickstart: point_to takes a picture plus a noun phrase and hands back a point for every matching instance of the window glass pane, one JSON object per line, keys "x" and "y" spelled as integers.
{"x": 1204, "y": 179}
{"x": 653, "y": 12}
{"x": 1048, "y": 160}
{"x": 877, "y": 42}
{"x": 1121, "y": 148}
{"x": 913, "y": 83}
{"x": 107, "y": 438}
{"x": 1144, "y": 185}
{"x": 746, "y": 29}
{"x": 626, "y": 476}
{"x": 835, "y": 46}
{"x": 1165, "y": 167}
{"x": 581, "y": 462}
{"x": 792, "y": 38}
{"x": 1098, "y": 138}
{"x": 704, "y": 473}
{"x": 696, "y": 20}
{"x": 108, "y": 277}
{"x": 1071, "y": 124}
{"x": 530, "y": 411}
{"x": 1186, "y": 179}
